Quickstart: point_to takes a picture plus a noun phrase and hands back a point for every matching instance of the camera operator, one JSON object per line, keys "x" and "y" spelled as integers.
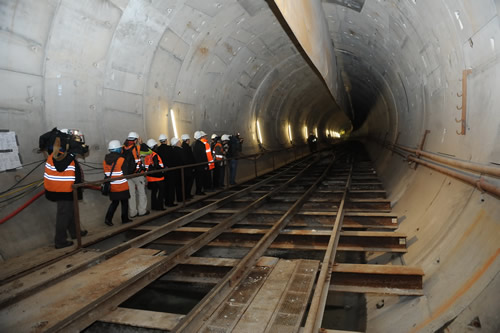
{"x": 235, "y": 149}
{"x": 61, "y": 172}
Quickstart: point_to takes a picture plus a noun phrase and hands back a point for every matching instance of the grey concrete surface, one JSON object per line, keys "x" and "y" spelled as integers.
{"x": 108, "y": 67}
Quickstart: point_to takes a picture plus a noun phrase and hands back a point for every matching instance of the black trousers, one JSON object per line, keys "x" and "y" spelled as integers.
{"x": 65, "y": 221}
{"x": 112, "y": 208}
{"x": 157, "y": 194}
{"x": 199, "y": 177}
{"x": 188, "y": 182}
{"x": 216, "y": 175}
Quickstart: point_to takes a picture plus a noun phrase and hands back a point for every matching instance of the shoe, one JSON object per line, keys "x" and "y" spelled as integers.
{"x": 108, "y": 222}
{"x": 126, "y": 221}
{"x": 132, "y": 217}
{"x": 66, "y": 244}
{"x": 83, "y": 233}
{"x": 146, "y": 213}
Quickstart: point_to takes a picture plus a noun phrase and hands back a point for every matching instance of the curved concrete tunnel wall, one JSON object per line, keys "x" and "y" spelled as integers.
{"x": 108, "y": 67}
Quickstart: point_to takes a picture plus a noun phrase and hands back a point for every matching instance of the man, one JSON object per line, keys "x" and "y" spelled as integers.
{"x": 312, "y": 142}
{"x": 235, "y": 149}
{"x": 225, "y": 150}
{"x": 152, "y": 162}
{"x": 187, "y": 158}
{"x": 61, "y": 172}
{"x": 211, "y": 165}
{"x": 218, "y": 154}
{"x": 200, "y": 155}
{"x": 114, "y": 165}
{"x": 138, "y": 201}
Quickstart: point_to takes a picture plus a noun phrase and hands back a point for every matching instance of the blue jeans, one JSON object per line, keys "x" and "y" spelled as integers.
{"x": 232, "y": 171}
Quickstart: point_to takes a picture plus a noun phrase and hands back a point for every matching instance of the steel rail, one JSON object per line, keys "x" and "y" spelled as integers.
{"x": 193, "y": 321}
{"x": 316, "y": 309}
{"x": 142, "y": 239}
{"x": 105, "y": 304}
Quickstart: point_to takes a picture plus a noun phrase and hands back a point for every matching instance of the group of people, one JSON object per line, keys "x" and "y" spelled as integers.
{"x": 136, "y": 157}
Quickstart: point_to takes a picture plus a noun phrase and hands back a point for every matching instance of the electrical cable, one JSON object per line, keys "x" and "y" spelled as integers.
{"x": 18, "y": 210}
{"x": 18, "y": 189}
{"x": 20, "y": 180}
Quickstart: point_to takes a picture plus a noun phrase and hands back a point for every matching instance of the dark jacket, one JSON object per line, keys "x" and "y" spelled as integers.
{"x": 109, "y": 159}
{"x": 187, "y": 154}
{"x": 199, "y": 152}
{"x": 60, "y": 167}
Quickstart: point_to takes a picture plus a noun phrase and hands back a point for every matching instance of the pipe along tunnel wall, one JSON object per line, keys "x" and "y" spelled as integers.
{"x": 110, "y": 67}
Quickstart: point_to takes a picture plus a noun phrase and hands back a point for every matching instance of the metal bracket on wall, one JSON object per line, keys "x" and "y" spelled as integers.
{"x": 465, "y": 73}
{"x": 421, "y": 147}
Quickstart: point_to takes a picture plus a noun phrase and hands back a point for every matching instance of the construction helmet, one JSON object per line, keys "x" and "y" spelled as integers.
{"x": 162, "y": 138}
{"x": 197, "y": 135}
{"x": 202, "y": 134}
{"x": 225, "y": 137}
{"x": 174, "y": 141}
{"x": 214, "y": 136}
{"x": 185, "y": 137}
{"x": 133, "y": 136}
{"x": 151, "y": 143}
{"x": 114, "y": 144}
{"x": 64, "y": 130}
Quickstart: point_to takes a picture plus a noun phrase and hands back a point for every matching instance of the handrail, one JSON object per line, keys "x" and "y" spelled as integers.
{"x": 181, "y": 167}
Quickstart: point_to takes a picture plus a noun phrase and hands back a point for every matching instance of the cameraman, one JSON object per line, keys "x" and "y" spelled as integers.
{"x": 61, "y": 172}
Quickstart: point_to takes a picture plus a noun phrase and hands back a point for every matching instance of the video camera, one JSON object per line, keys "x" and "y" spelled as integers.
{"x": 71, "y": 139}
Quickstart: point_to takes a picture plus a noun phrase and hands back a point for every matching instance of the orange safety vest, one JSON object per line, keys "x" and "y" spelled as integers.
{"x": 137, "y": 156}
{"x": 149, "y": 161}
{"x": 55, "y": 181}
{"x": 119, "y": 185}
{"x": 210, "y": 158}
{"x": 218, "y": 157}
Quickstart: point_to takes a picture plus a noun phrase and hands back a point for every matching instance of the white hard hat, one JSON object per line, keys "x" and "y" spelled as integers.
{"x": 214, "y": 136}
{"x": 114, "y": 144}
{"x": 203, "y": 133}
{"x": 185, "y": 137}
{"x": 197, "y": 135}
{"x": 65, "y": 131}
{"x": 151, "y": 143}
{"x": 162, "y": 137}
{"x": 174, "y": 141}
{"x": 132, "y": 136}
{"x": 225, "y": 137}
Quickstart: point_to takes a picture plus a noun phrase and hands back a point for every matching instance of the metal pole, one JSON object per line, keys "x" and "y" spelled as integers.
{"x": 183, "y": 189}
{"x": 77, "y": 217}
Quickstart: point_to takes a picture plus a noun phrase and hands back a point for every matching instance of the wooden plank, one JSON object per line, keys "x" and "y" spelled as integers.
{"x": 260, "y": 311}
{"x": 47, "y": 308}
{"x": 377, "y": 269}
{"x": 34, "y": 258}
{"x": 376, "y": 290}
{"x": 31, "y": 282}
{"x": 141, "y": 318}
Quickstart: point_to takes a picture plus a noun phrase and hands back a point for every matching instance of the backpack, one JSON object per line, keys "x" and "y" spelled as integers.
{"x": 129, "y": 165}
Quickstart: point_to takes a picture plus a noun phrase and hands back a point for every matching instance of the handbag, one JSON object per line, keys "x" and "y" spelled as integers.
{"x": 106, "y": 187}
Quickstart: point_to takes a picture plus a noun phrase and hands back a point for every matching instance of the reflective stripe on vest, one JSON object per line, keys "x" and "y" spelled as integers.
{"x": 218, "y": 157}
{"x": 55, "y": 181}
{"x": 118, "y": 185}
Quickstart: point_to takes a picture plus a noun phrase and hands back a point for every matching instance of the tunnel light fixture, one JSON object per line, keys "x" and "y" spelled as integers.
{"x": 305, "y": 131}
{"x": 259, "y": 132}
{"x": 335, "y": 134}
{"x": 174, "y": 125}
{"x": 316, "y": 131}
{"x": 290, "y": 133}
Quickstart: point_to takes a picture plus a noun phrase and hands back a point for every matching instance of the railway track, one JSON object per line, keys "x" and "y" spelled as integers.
{"x": 260, "y": 257}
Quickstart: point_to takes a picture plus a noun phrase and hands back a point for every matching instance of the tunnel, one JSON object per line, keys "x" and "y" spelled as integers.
{"x": 416, "y": 73}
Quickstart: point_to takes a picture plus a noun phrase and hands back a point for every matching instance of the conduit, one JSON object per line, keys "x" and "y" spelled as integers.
{"x": 18, "y": 210}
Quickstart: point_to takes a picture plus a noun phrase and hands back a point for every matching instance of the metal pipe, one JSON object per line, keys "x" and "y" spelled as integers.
{"x": 480, "y": 183}
{"x": 485, "y": 169}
